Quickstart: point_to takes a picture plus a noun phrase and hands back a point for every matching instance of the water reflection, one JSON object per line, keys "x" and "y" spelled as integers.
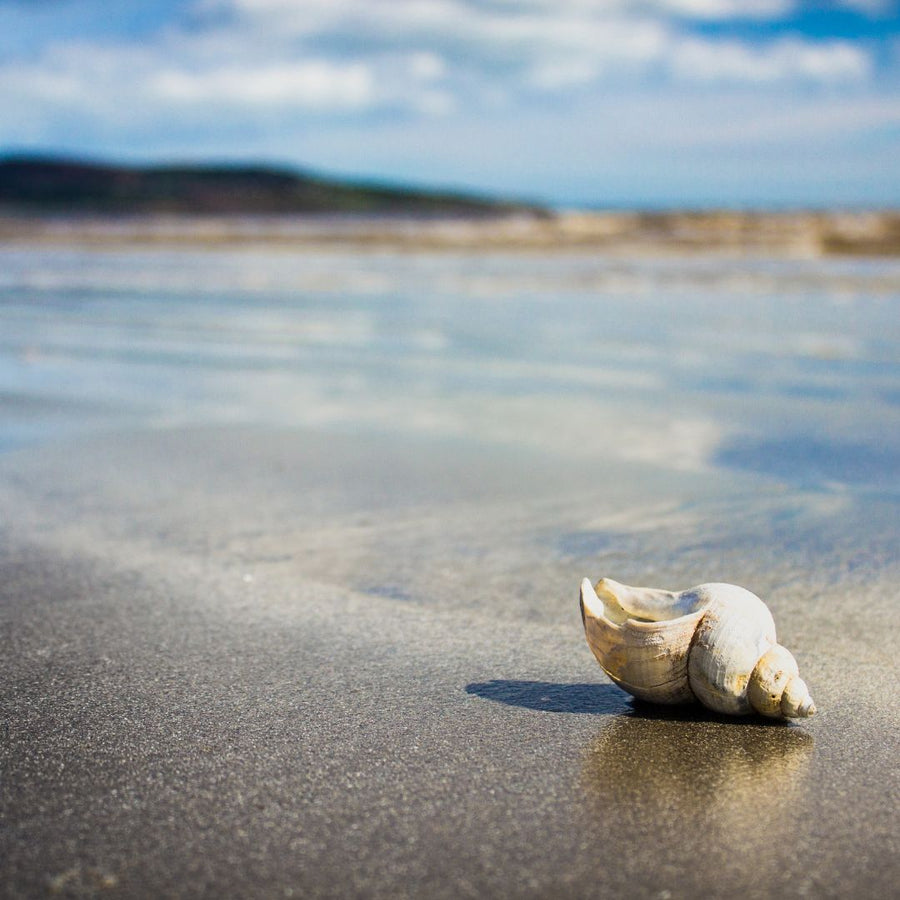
{"x": 723, "y": 793}
{"x": 813, "y": 459}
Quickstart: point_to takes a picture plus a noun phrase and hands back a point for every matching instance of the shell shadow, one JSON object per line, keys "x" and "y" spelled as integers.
{"x": 600, "y": 699}
{"x": 548, "y": 696}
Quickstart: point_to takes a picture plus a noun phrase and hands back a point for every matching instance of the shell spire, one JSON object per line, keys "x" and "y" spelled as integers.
{"x": 714, "y": 643}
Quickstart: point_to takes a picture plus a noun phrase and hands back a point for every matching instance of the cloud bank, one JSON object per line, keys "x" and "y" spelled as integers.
{"x": 293, "y": 79}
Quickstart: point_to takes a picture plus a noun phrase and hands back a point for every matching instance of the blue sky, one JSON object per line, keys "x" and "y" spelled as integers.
{"x": 572, "y": 102}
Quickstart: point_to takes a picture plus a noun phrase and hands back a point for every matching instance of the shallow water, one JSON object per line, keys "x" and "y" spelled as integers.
{"x": 788, "y": 368}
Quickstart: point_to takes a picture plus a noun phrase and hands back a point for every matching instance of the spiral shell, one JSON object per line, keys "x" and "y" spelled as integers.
{"x": 714, "y": 643}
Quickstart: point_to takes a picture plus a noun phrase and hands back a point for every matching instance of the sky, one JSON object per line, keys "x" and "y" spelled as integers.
{"x": 575, "y": 103}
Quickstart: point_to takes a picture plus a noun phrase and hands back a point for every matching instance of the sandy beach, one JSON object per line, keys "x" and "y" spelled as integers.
{"x": 291, "y": 548}
{"x": 796, "y": 233}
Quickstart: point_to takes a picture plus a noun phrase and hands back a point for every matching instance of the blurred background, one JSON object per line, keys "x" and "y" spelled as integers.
{"x": 572, "y": 103}
{"x": 489, "y": 220}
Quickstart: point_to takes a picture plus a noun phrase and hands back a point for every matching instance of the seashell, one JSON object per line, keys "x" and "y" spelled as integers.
{"x": 714, "y": 643}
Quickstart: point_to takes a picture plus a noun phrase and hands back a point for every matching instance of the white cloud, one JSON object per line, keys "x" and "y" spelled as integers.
{"x": 503, "y": 47}
{"x": 552, "y": 76}
{"x": 316, "y": 13}
{"x": 426, "y": 66}
{"x": 342, "y": 57}
{"x": 315, "y": 84}
{"x": 732, "y": 61}
{"x": 717, "y": 10}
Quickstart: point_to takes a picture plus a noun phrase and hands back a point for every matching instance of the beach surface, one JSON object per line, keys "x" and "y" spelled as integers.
{"x": 291, "y": 549}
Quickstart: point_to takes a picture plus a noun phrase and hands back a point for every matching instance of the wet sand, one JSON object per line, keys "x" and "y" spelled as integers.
{"x": 290, "y": 554}
{"x": 289, "y": 664}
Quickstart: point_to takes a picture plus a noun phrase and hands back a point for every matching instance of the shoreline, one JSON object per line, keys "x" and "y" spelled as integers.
{"x": 795, "y": 234}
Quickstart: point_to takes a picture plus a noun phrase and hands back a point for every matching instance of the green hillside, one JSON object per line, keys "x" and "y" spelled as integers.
{"x": 29, "y": 184}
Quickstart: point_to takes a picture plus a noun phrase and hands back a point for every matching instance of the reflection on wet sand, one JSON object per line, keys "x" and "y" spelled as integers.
{"x": 724, "y": 794}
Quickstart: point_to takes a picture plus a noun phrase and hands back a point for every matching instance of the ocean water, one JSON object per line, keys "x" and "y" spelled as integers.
{"x": 692, "y": 415}
{"x": 789, "y": 368}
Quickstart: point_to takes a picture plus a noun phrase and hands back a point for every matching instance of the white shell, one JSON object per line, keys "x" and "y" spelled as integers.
{"x": 714, "y": 643}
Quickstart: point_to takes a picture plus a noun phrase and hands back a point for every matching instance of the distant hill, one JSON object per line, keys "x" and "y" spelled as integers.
{"x": 32, "y": 184}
